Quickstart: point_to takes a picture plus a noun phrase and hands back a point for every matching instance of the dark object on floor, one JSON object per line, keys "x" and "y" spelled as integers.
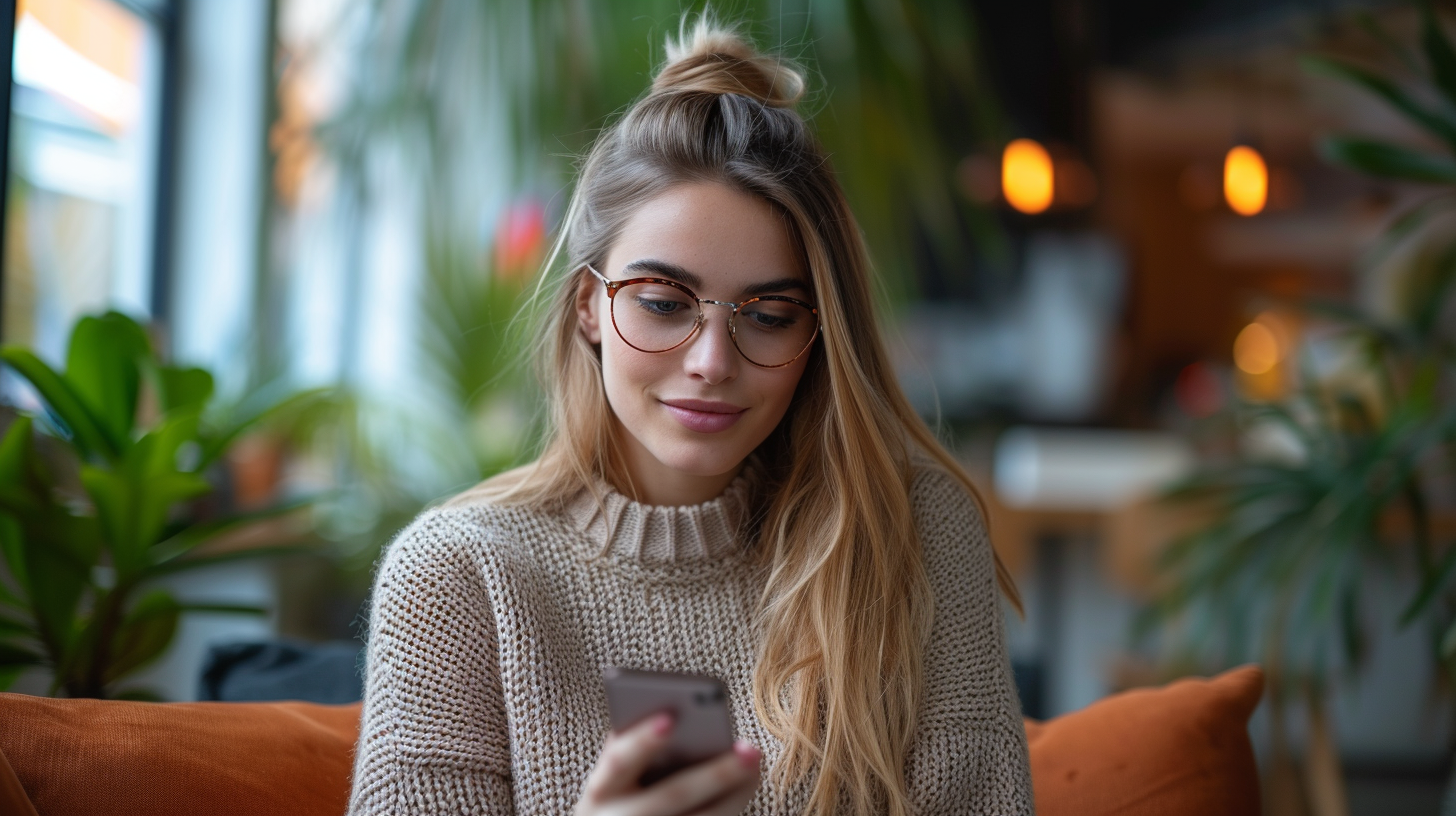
{"x": 1030, "y": 681}
{"x": 328, "y": 673}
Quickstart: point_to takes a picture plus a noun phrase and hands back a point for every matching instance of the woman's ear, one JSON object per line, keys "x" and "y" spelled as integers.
{"x": 586, "y": 309}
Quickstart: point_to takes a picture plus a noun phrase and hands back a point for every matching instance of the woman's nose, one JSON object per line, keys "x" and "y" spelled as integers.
{"x": 711, "y": 353}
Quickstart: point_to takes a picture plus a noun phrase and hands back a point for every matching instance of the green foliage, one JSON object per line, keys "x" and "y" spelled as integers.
{"x": 1278, "y": 576}
{"x": 1431, "y": 107}
{"x": 105, "y": 502}
{"x": 897, "y": 95}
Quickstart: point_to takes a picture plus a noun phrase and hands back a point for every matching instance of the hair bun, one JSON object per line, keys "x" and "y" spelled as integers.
{"x": 715, "y": 59}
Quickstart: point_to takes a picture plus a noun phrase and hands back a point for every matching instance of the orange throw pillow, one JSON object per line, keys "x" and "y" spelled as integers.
{"x": 110, "y": 758}
{"x": 1183, "y": 748}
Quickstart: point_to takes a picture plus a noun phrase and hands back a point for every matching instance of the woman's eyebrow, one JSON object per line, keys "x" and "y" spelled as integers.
{"x": 674, "y": 272}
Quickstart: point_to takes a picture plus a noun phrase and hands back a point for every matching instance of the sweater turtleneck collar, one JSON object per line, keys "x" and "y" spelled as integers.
{"x": 652, "y": 533}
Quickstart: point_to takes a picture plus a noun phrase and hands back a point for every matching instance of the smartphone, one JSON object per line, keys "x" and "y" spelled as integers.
{"x": 702, "y": 727}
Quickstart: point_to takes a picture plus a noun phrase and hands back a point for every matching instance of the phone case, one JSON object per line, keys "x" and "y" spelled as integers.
{"x": 703, "y": 728}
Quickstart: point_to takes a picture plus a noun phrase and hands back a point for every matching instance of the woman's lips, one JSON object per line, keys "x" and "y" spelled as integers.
{"x": 703, "y": 421}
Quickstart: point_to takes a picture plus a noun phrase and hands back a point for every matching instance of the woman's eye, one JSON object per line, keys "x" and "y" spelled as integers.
{"x": 763, "y": 320}
{"x": 659, "y": 307}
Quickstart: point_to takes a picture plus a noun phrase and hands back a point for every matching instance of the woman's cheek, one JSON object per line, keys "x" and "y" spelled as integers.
{"x": 626, "y": 373}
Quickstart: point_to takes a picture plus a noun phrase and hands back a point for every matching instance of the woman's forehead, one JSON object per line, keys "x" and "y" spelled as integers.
{"x": 709, "y": 233}
{"x": 653, "y": 267}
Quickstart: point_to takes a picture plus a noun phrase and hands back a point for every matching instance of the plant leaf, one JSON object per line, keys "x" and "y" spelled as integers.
{"x": 113, "y": 496}
{"x": 12, "y": 655}
{"x": 182, "y": 389}
{"x": 1442, "y": 126}
{"x": 194, "y": 535}
{"x": 9, "y": 674}
{"x": 1377, "y": 32}
{"x": 162, "y": 492}
{"x": 1448, "y": 642}
{"x": 1438, "y": 52}
{"x": 157, "y": 451}
{"x": 133, "y": 511}
{"x": 86, "y": 432}
{"x": 15, "y": 456}
{"x": 59, "y": 556}
{"x": 10, "y": 627}
{"x": 1388, "y": 160}
{"x": 1405, "y": 224}
{"x": 203, "y": 561}
{"x": 145, "y": 632}
{"x": 290, "y": 408}
{"x": 1431, "y": 584}
{"x": 103, "y": 367}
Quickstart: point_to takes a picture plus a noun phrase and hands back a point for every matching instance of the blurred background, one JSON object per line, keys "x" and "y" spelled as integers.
{"x": 1174, "y": 279}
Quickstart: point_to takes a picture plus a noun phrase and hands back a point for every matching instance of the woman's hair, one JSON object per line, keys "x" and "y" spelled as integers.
{"x": 847, "y": 608}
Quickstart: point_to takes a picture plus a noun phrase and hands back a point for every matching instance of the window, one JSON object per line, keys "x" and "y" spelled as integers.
{"x": 85, "y": 121}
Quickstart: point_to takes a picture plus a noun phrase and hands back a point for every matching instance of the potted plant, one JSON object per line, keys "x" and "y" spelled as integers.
{"x": 1278, "y": 575}
{"x": 108, "y": 490}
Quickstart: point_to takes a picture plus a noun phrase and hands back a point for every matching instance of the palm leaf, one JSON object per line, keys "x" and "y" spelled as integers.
{"x": 1388, "y": 160}
{"x": 1439, "y": 124}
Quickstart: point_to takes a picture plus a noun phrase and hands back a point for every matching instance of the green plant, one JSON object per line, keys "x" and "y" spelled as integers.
{"x": 113, "y": 496}
{"x": 1424, "y": 338}
{"x": 1429, "y": 106}
{"x": 1279, "y": 575}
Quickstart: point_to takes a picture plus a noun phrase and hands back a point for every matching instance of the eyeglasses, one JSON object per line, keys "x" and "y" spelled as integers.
{"x": 656, "y": 315}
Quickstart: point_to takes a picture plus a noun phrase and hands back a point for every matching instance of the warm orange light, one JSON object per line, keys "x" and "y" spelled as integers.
{"x": 1026, "y": 176}
{"x": 1245, "y": 180}
{"x": 1257, "y": 349}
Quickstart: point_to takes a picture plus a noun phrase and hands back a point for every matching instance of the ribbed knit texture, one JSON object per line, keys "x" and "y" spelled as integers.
{"x": 490, "y": 627}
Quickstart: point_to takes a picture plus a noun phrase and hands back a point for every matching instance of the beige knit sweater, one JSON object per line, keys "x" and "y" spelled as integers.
{"x": 490, "y": 627}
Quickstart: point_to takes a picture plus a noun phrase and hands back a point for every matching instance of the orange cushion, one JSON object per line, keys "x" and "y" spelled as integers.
{"x": 1183, "y": 748}
{"x": 111, "y": 758}
{"x": 13, "y": 800}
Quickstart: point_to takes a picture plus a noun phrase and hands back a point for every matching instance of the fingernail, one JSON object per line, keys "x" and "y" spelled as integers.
{"x": 662, "y": 724}
{"x": 747, "y": 753}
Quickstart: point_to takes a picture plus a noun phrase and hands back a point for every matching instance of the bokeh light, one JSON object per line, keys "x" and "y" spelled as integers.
{"x": 1026, "y": 176}
{"x": 1256, "y": 349}
{"x": 1245, "y": 180}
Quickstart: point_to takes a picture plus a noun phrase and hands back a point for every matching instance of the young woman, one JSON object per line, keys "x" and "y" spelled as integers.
{"x": 732, "y": 485}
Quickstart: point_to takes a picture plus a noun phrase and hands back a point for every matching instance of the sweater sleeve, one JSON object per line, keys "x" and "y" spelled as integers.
{"x": 433, "y": 736}
{"x": 971, "y": 754}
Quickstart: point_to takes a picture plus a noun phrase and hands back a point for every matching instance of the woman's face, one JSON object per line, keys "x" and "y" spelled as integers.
{"x": 720, "y": 242}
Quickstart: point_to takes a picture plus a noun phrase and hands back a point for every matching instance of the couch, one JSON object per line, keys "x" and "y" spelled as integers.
{"x": 1178, "y": 749}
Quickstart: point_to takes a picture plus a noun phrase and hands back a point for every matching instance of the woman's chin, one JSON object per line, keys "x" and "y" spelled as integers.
{"x": 705, "y": 460}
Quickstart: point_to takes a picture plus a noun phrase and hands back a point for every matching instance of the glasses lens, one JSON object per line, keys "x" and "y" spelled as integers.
{"x": 773, "y": 332}
{"x": 654, "y": 316}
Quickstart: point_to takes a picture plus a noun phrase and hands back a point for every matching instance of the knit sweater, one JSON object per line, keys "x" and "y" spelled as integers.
{"x": 490, "y": 627}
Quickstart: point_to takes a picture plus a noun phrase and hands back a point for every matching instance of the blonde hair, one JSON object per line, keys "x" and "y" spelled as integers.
{"x": 847, "y": 607}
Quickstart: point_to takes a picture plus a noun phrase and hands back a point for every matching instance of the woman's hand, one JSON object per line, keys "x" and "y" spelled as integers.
{"x": 716, "y": 787}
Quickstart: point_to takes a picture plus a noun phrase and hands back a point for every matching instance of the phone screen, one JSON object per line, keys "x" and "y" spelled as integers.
{"x": 703, "y": 728}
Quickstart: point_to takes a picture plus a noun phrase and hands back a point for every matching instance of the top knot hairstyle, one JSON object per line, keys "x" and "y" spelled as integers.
{"x": 715, "y": 60}
{"x": 847, "y": 608}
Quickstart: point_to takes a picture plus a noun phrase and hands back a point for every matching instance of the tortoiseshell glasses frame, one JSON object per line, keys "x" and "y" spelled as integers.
{"x": 615, "y": 286}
